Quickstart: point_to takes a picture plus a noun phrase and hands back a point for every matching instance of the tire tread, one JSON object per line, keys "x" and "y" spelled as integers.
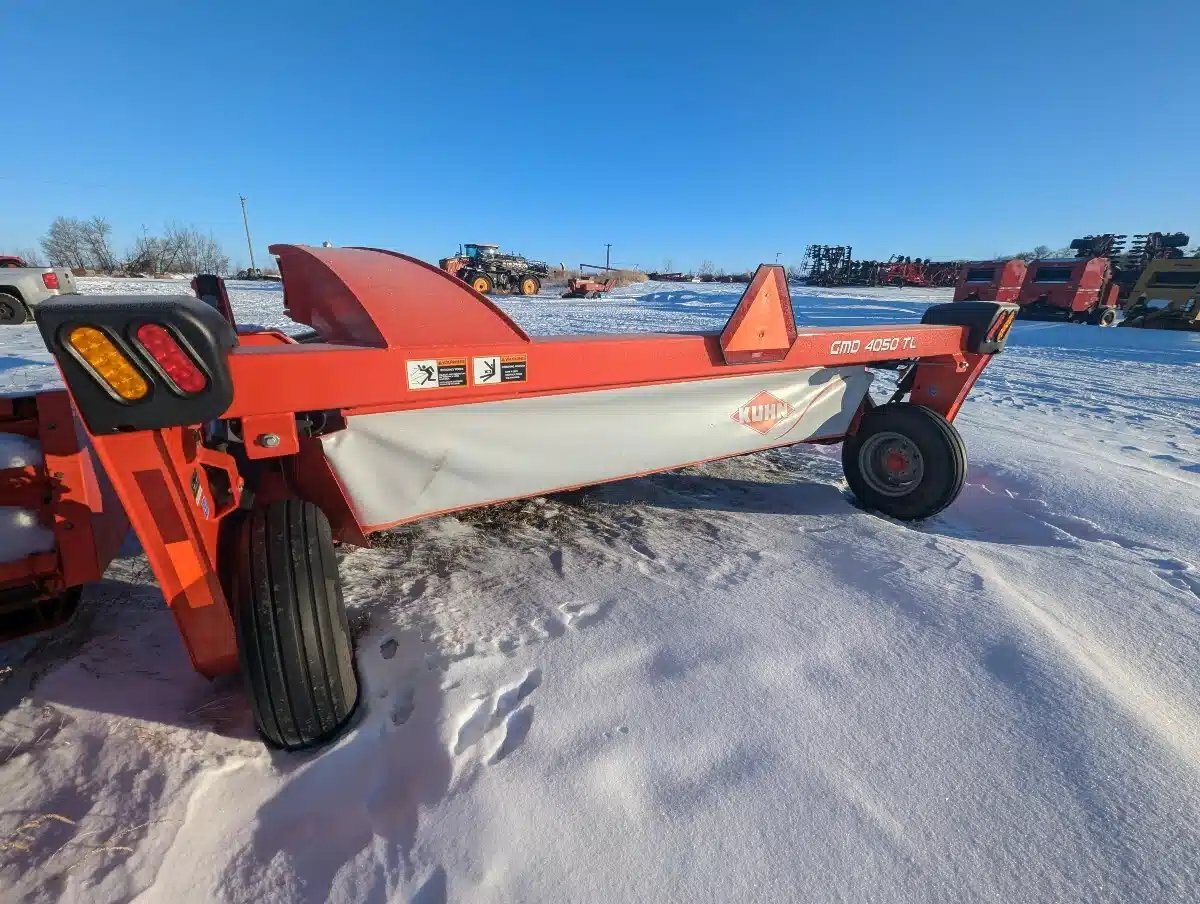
{"x": 293, "y": 635}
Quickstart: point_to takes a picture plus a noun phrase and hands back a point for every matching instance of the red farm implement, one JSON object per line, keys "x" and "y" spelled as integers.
{"x": 1079, "y": 290}
{"x": 590, "y": 285}
{"x": 241, "y": 458}
{"x": 587, "y": 286}
{"x": 990, "y": 280}
{"x": 834, "y": 265}
{"x": 904, "y": 272}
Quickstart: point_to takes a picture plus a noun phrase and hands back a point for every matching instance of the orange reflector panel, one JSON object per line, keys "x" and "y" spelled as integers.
{"x": 106, "y": 360}
{"x": 1008, "y": 325}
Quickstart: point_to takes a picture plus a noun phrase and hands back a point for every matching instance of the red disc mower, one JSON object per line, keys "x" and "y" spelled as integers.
{"x": 241, "y": 458}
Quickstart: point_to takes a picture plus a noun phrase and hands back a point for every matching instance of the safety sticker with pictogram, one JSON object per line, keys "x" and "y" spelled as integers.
{"x": 492, "y": 369}
{"x": 437, "y": 373}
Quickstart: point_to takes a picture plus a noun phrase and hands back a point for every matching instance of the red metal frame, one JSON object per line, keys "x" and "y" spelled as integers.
{"x": 165, "y": 480}
{"x": 943, "y": 382}
{"x": 377, "y": 311}
{"x": 68, "y": 494}
{"x": 386, "y": 310}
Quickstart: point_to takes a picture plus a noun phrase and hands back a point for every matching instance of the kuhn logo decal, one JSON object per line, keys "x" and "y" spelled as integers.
{"x": 762, "y": 413}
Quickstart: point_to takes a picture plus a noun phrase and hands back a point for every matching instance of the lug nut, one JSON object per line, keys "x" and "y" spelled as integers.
{"x": 268, "y": 440}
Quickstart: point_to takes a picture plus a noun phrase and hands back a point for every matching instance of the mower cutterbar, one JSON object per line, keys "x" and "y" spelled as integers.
{"x": 240, "y": 458}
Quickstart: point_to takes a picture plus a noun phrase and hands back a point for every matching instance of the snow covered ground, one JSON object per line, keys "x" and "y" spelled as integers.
{"x": 719, "y": 684}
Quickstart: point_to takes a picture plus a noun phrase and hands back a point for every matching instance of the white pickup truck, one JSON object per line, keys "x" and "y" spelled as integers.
{"x": 23, "y": 288}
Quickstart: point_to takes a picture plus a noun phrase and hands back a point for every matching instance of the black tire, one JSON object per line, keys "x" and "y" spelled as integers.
{"x": 293, "y": 637}
{"x": 934, "y": 461}
{"x": 12, "y": 310}
{"x": 529, "y": 285}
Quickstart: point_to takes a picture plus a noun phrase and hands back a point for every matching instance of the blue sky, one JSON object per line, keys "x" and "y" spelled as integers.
{"x": 680, "y": 131}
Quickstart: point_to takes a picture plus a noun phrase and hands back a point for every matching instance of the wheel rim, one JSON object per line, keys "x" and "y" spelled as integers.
{"x": 528, "y": 284}
{"x": 481, "y": 285}
{"x": 891, "y": 464}
{"x": 7, "y": 314}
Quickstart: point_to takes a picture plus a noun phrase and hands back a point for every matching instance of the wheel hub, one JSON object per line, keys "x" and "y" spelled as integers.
{"x": 891, "y": 464}
{"x": 895, "y": 461}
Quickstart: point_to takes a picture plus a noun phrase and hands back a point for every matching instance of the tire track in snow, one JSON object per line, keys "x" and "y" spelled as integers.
{"x": 1173, "y": 723}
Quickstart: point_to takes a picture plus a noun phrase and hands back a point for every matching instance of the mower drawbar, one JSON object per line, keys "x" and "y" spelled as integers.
{"x": 241, "y": 457}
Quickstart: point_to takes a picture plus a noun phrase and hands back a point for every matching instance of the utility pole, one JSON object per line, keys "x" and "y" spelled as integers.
{"x": 246, "y": 222}
{"x": 777, "y": 253}
{"x": 608, "y": 256}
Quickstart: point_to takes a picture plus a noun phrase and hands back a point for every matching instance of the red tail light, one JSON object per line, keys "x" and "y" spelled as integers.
{"x": 50, "y": 279}
{"x": 175, "y": 362}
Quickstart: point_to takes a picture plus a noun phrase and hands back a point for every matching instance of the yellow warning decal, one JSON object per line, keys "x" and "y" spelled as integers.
{"x": 437, "y": 373}
{"x": 489, "y": 370}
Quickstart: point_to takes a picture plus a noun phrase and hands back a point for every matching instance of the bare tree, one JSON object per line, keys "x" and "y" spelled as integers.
{"x": 87, "y": 244}
{"x": 81, "y": 244}
{"x": 1039, "y": 252}
{"x": 706, "y": 268}
{"x": 195, "y": 252}
{"x": 212, "y": 258}
{"x": 1043, "y": 252}
{"x": 150, "y": 254}
{"x": 181, "y": 249}
{"x": 96, "y": 232}
{"x": 32, "y": 256}
{"x": 64, "y": 243}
